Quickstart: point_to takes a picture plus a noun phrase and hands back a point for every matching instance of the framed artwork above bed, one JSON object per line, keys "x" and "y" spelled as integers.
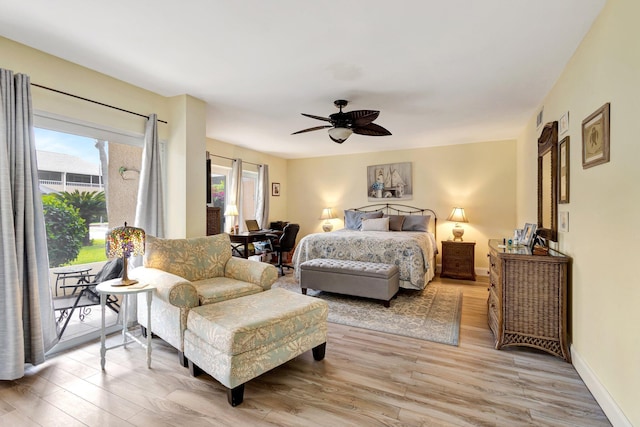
{"x": 391, "y": 181}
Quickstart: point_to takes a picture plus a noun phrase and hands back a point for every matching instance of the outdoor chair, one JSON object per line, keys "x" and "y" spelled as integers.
{"x": 83, "y": 295}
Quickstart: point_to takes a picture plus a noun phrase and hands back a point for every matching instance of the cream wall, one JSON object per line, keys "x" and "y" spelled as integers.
{"x": 122, "y": 190}
{"x": 56, "y": 73}
{"x": 185, "y": 132}
{"x": 186, "y": 163}
{"x": 603, "y": 210}
{"x": 277, "y": 171}
{"x": 479, "y": 177}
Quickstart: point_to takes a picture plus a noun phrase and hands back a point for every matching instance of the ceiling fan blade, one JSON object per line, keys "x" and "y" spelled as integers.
{"x": 316, "y": 117}
{"x": 371, "y": 129}
{"x": 312, "y": 129}
{"x": 362, "y": 117}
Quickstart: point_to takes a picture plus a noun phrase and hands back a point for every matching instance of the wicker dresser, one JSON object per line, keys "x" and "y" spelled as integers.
{"x": 528, "y": 299}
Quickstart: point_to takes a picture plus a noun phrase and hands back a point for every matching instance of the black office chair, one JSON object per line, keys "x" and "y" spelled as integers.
{"x": 285, "y": 243}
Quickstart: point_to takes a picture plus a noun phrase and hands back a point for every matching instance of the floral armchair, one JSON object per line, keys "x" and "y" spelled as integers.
{"x": 193, "y": 272}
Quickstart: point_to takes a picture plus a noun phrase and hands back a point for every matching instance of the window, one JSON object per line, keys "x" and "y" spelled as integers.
{"x": 249, "y": 194}
{"x": 219, "y": 183}
{"x": 78, "y": 164}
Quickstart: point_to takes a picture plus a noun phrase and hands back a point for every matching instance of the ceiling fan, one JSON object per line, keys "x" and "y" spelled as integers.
{"x": 343, "y": 124}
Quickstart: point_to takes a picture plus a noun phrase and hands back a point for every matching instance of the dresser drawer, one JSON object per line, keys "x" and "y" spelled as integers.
{"x": 459, "y": 250}
{"x": 495, "y": 272}
{"x": 494, "y": 301}
{"x": 492, "y": 318}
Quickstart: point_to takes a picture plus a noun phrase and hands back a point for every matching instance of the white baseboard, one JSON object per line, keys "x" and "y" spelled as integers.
{"x": 600, "y": 393}
{"x": 482, "y": 271}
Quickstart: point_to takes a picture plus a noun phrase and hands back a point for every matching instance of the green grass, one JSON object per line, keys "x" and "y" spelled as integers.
{"x": 93, "y": 253}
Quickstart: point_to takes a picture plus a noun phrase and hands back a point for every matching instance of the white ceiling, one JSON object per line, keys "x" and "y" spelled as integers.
{"x": 440, "y": 72}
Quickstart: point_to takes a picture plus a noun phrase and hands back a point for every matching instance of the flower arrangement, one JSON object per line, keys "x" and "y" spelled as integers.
{"x": 377, "y": 186}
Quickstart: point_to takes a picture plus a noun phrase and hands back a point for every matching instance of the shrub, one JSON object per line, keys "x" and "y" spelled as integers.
{"x": 65, "y": 230}
{"x": 91, "y": 206}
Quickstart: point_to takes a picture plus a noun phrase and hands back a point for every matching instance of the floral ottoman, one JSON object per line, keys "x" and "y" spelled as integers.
{"x": 234, "y": 341}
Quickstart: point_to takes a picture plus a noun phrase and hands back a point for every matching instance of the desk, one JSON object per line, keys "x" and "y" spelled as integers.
{"x": 246, "y": 238}
{"x": 107, "y": 288}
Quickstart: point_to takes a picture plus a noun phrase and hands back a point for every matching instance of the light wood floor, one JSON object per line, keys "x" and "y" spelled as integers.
{"x": 366, "y": 379}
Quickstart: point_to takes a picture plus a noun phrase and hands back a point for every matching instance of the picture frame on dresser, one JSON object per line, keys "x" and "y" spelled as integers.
{"x": 529, "y": 234}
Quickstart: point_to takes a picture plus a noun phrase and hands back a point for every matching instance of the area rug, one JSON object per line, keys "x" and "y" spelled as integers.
{"x": 432, "y": 314}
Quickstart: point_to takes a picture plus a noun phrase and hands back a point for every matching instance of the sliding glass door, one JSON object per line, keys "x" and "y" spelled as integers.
{"x": 85, "y": 191}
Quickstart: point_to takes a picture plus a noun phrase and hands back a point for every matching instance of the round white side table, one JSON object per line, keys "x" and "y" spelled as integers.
{"x": 108, "y": 288}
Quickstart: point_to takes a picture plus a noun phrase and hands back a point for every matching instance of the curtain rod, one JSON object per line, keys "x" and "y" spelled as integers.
{"x": 229, "y": 158}
{"x": 95, "y": 102}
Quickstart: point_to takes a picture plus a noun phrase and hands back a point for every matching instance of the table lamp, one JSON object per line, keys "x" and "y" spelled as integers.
{"x": 458, "y": 216}
{"x": 124, "y": 242}
{"x": 232, "y": 211}
{"x": 327, "y": 214}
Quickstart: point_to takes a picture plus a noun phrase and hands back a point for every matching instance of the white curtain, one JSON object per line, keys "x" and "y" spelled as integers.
{"x": 150, "y": 205}
{"x": 27, "y": 322}
{"x": 235, "y": 194}
{"x": 262, "y": 207}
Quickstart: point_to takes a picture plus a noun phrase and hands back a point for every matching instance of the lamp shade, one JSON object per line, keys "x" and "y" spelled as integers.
{"x": 231, "y": 210}
{"x": 457, "y": 215}
{"x": 125, "y": 242}
{"x": 340, "y": 134}
{"x": 327, "y": 213}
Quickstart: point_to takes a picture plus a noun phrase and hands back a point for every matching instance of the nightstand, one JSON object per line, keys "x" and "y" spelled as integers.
{"x": 458, "y": 260}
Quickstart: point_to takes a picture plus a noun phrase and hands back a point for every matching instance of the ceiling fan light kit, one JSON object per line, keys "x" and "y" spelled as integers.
{"x": 343, "y": 124}
{"x": 339, "y": 135}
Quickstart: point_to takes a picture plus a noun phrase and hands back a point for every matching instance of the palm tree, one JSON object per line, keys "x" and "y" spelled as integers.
{"x": 91, "y": 205}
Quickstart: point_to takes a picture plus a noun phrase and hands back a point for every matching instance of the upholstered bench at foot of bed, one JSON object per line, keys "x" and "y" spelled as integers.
{"x": 356, "y": 278}
{"x": 234, "y": 341}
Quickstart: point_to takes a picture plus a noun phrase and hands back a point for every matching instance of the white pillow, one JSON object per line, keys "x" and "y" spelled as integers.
{"x": 375, "y": 224}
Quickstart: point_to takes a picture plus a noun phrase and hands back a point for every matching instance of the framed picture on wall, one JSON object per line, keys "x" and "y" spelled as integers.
{"x": 389, "y": 181}
{"x": 595, "y": 138}
{"x": 275, "y": 189}
{"x": 563, "y": 171}
{"x": 563, "y": 124}
{"x": 563, "y": 224}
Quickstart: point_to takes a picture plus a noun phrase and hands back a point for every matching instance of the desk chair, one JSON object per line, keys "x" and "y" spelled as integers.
{"x": 285, "y": 243}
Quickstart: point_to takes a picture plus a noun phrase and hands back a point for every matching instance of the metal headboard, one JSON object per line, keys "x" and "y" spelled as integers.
{"x": 397, "y": 209}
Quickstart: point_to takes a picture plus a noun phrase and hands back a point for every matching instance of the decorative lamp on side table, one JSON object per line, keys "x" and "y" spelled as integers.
{"x": 232, "y": 211}
{"x": 457, "y": 215}
{"x": 124, "y": 242}
{"x": 327, "y": 215}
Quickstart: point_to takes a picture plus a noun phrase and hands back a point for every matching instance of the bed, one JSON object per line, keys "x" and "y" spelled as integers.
{"x": 410, "y": 242}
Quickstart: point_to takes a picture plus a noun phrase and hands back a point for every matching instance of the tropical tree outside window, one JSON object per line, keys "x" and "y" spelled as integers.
{"x": 73, "y": 188}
